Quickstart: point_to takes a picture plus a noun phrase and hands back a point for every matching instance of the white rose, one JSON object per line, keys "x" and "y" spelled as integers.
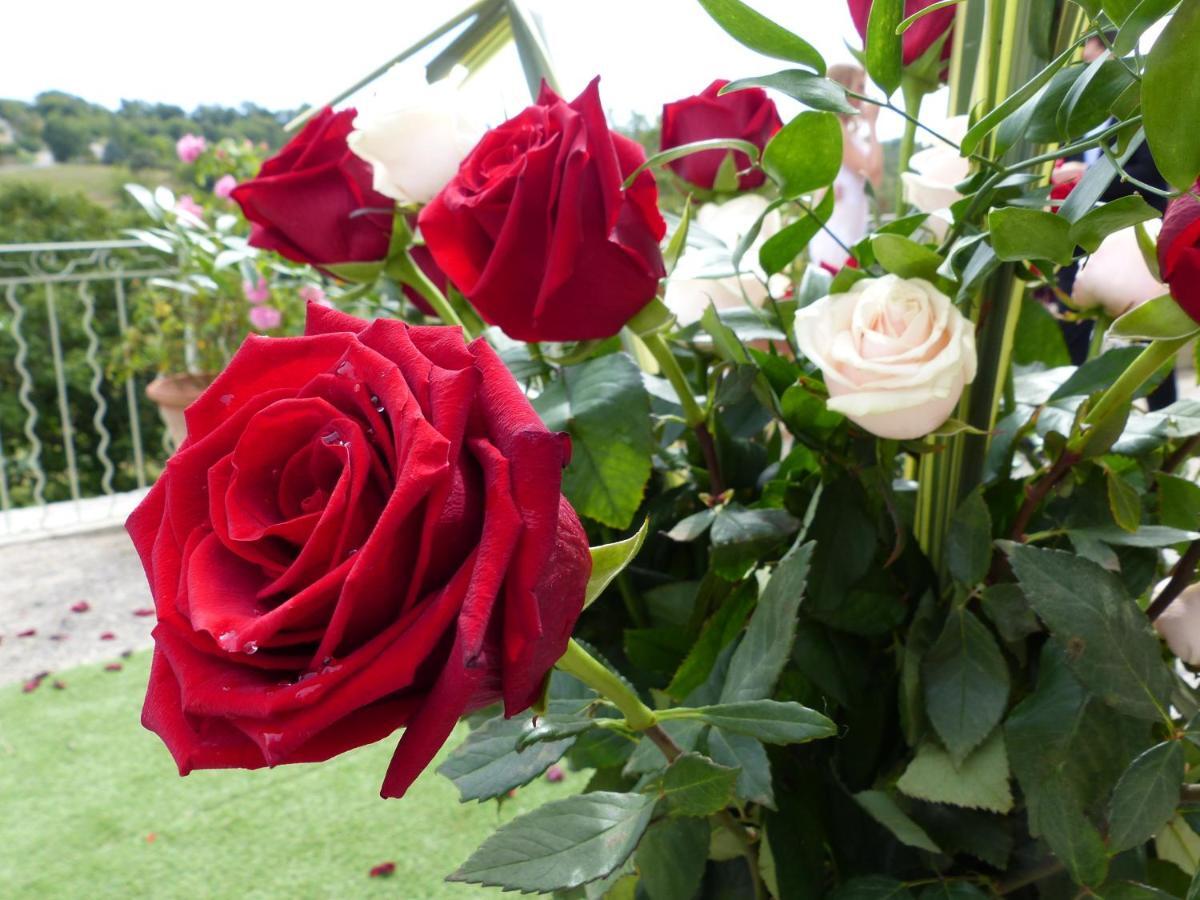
{"x": 935, "y": 171}
{"x": 1179, "y": 625}
{"x": 689, "y": 295}
{"x": 1116, "y": 277}
{"x": 414, "y": 150}
{"x": 895, "y": 352}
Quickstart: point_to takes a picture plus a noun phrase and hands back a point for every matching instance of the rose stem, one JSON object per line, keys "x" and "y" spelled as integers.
{"x": 578, "y": 662}
{"x": 412, "y": 274}
{"x": 1181, "y": 577}
{"x": 692, "y": 413}
{"x": 1117, "y": 395}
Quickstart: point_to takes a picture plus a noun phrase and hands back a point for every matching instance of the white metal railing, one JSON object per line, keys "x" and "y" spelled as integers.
{"x": 76, "y": 446}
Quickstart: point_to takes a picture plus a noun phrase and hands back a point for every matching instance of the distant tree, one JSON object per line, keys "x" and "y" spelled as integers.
{"x": 66, "y": 136}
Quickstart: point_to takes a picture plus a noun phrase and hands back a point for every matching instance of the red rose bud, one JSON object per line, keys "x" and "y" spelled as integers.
{"x": 747, "y": 115}
{"x": 107, "y": 636}
{"x": 28, "y": 632}
{"x": 364, "y": 531}
{"x": 312, "y": 202}
{"x": 383, "y": 870}
{"x": 113, "y": 667}
{"x": 81, "y": 607}
{"x": 920, "y": 36}
{"x": 1179, "y": 252}
{"x": 537, "y": 232}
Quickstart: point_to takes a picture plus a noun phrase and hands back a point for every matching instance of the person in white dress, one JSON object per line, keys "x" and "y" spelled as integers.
{"x": 862, "y": 161}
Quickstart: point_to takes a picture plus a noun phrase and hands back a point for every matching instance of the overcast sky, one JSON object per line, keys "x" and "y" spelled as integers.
{"x": 283, "y": 55}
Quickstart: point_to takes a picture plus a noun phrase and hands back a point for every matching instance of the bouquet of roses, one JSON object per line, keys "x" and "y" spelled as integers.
{"x": 838, "y": 583}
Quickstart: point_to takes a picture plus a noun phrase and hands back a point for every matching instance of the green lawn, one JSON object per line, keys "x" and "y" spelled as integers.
{"x": 91, "y": 806}
{"x": 101, "y": 184}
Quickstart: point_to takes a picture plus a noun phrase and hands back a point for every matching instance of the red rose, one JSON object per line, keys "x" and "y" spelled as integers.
{"x": 537, "y": 232}
{"x": 364, "y": 530}
{"x": 312, "y": 202}
{"x": 748, "y": 115}
{"x": 921, "y": 35}
{"x": 1179, "y": 252}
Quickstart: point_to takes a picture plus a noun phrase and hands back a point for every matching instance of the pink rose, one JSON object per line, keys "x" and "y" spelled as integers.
{"x": 224, "y": 186}
{"x": 264, "y": 318}
{"x": 188, "y": 204}
{"x": 189, "y": 147}
{"x": 895, "y": 352}
{"x": 312, "y": 293}
{"x": 256, "y": 292}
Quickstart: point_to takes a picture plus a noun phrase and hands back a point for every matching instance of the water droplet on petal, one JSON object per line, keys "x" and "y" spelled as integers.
{"x": 226, "y": 399}
{"x": 331, "y": 437}
{"x": 311, "y": 690}
{"x": 249, "y": 647}
{"x": 345, "y": 368}
{"x": 228, "y": 641}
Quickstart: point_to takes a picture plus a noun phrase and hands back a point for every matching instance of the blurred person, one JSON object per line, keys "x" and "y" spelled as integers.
{"x": 862, "y": 161}
{"x": 1142, "y": 167}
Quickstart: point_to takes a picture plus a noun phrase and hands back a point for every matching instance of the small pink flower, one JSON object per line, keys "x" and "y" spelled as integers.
{"x": 312, "y": 293}
{"x": 189, "y": 147}
{"x": 555, "y": 774}
{"x": 224, "y": 186}
{"x": 81, "y": 607}
{"x": 144, "y": 611}
{"x": 189, "y": 205}
{"x": 256, "y": 291}
{"x": 264, "y": 318}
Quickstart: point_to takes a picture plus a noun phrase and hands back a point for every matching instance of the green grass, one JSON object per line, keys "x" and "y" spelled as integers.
{"x": 101, "y": 184}
{"x": 83, "y": 787}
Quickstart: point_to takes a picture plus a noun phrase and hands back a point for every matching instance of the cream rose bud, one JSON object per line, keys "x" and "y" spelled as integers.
{"x": 1116, "y": 277}
{"x": 689, "y": 294}
{"x": 1179, "y": 625}
{"x": 415, "y": 150}
{"x": 895, "y": 352}
{"x": 930, "y": 186}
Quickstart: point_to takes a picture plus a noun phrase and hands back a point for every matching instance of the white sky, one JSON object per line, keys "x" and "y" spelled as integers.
{"x": 282, "y": 55}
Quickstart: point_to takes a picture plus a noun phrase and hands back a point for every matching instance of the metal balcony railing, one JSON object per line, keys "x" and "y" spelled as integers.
{"x": 79, "y": 442}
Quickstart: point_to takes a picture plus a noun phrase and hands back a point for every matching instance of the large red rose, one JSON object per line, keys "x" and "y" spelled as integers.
{"x": 921, "y": 35}
{"x": 537, "y": 232}
{"x": 313, "y": 202}
{"x": 1179, "y": 252}
{"x": 364, "y": 530}
{"x": 749, "y": 115}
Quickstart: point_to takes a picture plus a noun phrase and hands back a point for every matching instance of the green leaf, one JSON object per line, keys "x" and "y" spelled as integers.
{"x": 693, "y": 526}
{"x": 740, "y": 536}
{"x": 1158, "y": 319}
{"x": 771, "y": 721}
{"x": 603, "y": 405}
{"x": 1006, "y": 606}
{"x": 647, "y": 757}
{"x": 805, "y": 154}
{"x": 872, "y": 887}
{"x": 671, "y": 859}
{"x": 608, "y": 560}
{"x": 678, "y": 242}
{"x": 905, "y": 257}
{"x": 969, "y": 540}
{"x": 678, "y": 152}
{"x": 1110, "y": 645}
{"x": 763, "y": 652}
{"x": 884, "y": 810}
{"x": 547, "y": 730}
{"x": 1145, "y": 798}
{"x": 980, "y": 782}
{"x": 999, "y": 113}
{"x": 1030, "y": 234}
{"x": 883, "y": 44}
{"x": 724, "y": 626}
{"x": 780, "y": 249}
{"x": 487, "y": 763}
{"x": 812, "y": 90}
{"x": 966, "y": 683}
{"x": 1143, "y": 16}
{"x": 1061, "y": 766}
{"x": 1171, "y": 98}
{"x": 694, "y": 785}
{"x": 1145, "y": 536}
{"x": 1124, "y": 502}
{"x": 1178, "y": 502}
{"x": 562, "y": 844}
{"x": 750, "y": 758}
{"x": 760, "y": 34}
{"x": 1090, "y": 230}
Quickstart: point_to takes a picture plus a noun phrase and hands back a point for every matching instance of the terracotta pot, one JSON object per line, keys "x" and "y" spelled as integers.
{"x": 173, "y": 394}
